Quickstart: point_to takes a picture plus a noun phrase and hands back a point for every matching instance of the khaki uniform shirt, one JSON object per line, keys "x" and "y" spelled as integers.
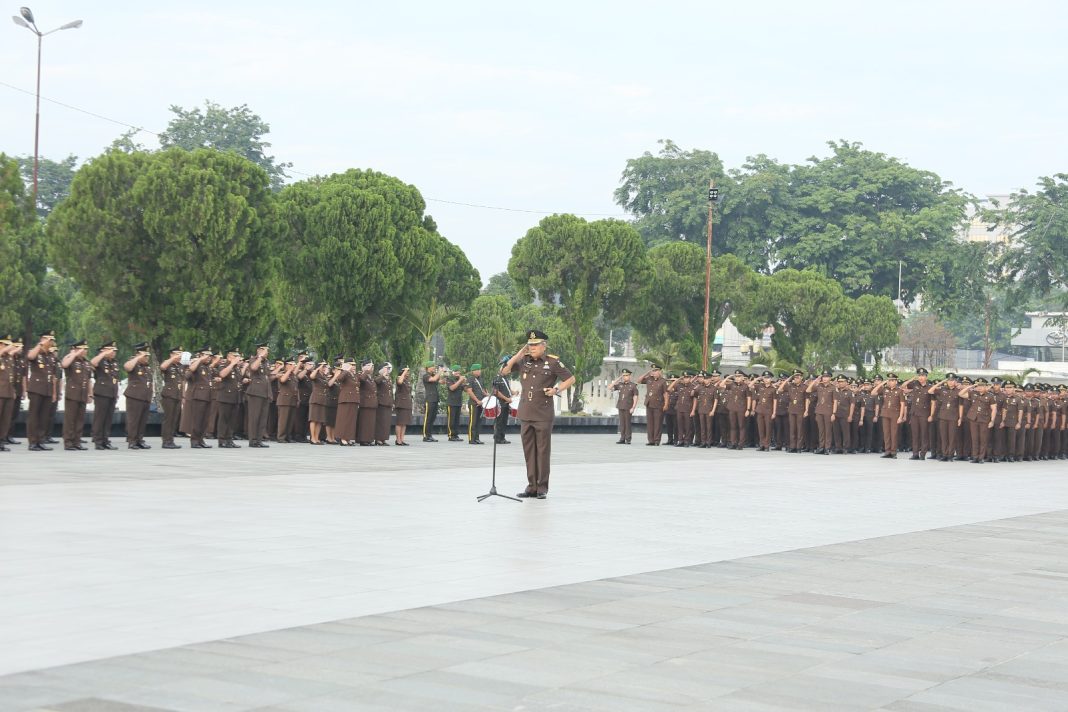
{"x": 535, "y": 375}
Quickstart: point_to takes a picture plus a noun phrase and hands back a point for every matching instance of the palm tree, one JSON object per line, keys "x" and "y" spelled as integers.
{"x": 667, "y": 355}
{"x": 428, "y": 320}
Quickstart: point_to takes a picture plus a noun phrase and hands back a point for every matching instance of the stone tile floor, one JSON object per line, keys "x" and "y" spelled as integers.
{"x": 275, "y": 581}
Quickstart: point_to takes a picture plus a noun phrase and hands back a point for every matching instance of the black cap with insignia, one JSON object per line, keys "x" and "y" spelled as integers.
{"x": 536, "y": 337}
{"x": 625, "y": 372}
{"x": 107, "y": 345}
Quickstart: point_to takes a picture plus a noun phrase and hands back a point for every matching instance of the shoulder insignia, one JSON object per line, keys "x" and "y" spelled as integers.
{"x": 554, "y": 356}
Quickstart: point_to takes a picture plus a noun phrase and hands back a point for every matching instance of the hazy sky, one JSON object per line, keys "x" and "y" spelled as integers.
{"x": 537, "y": 106}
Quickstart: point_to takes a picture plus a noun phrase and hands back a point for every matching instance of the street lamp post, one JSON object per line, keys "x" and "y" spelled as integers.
{"x": 25, "y": 19}
{"x": 713, "y": 196}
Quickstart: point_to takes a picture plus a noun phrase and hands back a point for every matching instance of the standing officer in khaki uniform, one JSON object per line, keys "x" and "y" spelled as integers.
{"x": 286, "y": 400}
{"x": 981, "y": 416}
{"x": 76, "y": 395}
{"x": 171, "y": 397}
{"x": 105, "y": 393}
{"x": 258, "y": 396}
{"x": 384, "y": 412}
{"x": 892, "y": 412}
{"x": 625, "y": 404}
{"x": 228, "y": 396}
{"x": 199, "y": 376}
{"x": 542, "y": 377}
{"x": 9, "y": 391}
{"x": 656, "y": 402}
{"x": 40, "y": 385}
{"x": 476, "y": 394}
{"x": 138, "y": 396}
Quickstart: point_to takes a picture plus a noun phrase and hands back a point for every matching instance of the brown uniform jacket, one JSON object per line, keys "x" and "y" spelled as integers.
{"x": 655, "y": 390}
{"x": 385, "y": 390}
{"x": 106, "y": 378}
{"x": 534, "y": 376}
{"x": 628, "y": 394}
{"x": 79, "y": 375}
{"x": 41, "y": 374}
{"x": 139, "y": 383}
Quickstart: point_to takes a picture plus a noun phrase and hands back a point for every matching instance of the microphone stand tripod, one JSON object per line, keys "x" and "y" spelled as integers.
{"x": 493, "y": 483}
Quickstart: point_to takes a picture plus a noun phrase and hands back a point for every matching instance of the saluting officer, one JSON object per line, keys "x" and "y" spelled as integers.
{"x": 9, "y": 392}
{"x": 40, "y": 385}
{"x": 105, "y": 393}
{"x": 76, "y": 394}
{"x": 625, "y": 403}
{"x": 258, "y": 396}
{"x": 477, "y": 394}
{"x": 171, "y": 397}
{"x": 503, "y": 390}
{"x": 138, "y": 395}
{"x": 228, "y": 395}
{"x": 542, "y": 377}
{"x": 656, "y": 402}
{"x": 432, "y": 396}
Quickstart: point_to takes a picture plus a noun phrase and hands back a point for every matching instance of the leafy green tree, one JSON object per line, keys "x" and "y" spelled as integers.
{"x": 1036, "y": 260}
{"x": 667, "y": 193}
{"x": 501, "y": 284}
{"x": 672, "y": 356}
{"x": 760, "y": 212}
{"x": 872, "y": 326}
{"x": 237, "y": 129}
{"x": 862, "y": 213}
{"x": 427, "y": 320}
{"x": 967, "y": 284}
{"x": 584, "y": 269}
{"x": 176, "y": 246}
{"x": 852, "y": 215}
{"x": 127, "y": 142}
{"x": 28, "y": 295}
{"x": 808, "y": 313}
{"x": 486, "y": 331}
{"x": 359, "y": 254}
{"x": 53, "y": 180}
{"x": 673, "y": 298}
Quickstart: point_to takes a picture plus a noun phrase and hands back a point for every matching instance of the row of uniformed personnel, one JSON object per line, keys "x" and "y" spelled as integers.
{"x": 955, "y": 418}
{"x": 222, "y": 394}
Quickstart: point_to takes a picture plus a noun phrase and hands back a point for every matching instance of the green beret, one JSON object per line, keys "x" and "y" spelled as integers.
{"x": 475, "y": 367}
{"x": 428, "y": 364}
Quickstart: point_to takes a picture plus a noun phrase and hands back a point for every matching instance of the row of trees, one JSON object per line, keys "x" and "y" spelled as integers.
{"x": 202, "y": 241}
{"x": 869, "y": 221}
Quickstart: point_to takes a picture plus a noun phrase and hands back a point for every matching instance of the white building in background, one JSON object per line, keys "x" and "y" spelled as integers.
{"x": 1045, "y": 343}
{"x": 979, "y": 230}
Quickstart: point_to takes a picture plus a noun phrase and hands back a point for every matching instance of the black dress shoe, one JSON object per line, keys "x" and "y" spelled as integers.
{"x": 171, "y": 446}
{"x": 888, "y": 454}
{"x": 4, "y": 448}
{"x": 540, "y": 496}
{"x": 526, "y": 495}
{"x": 68, "y": 447}
{"x": 621, "y": 442}
{"x": 143, "y": 445}
{"x": 109, "y": 446}
{"x": 13, "y": 441}
{"x": 132, "y": 446}
{"x": 35, "y": 448}
{"x": 233, "y": 445}
{"x": 429, "y": 440}
{"x": 51, "y": 441}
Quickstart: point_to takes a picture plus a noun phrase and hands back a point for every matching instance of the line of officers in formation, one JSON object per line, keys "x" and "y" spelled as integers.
{"x": 227, "y": 395}
{"x": 952, "y": 419}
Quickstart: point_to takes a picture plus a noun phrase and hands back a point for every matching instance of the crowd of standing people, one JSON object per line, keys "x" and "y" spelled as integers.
{"x": 955, "y": 418}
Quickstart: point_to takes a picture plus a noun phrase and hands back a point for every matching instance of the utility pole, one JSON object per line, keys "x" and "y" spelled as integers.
{"x": 713, "y": 196}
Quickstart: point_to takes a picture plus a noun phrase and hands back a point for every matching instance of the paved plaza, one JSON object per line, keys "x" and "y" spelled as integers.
{"x": 302, "y": 578}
